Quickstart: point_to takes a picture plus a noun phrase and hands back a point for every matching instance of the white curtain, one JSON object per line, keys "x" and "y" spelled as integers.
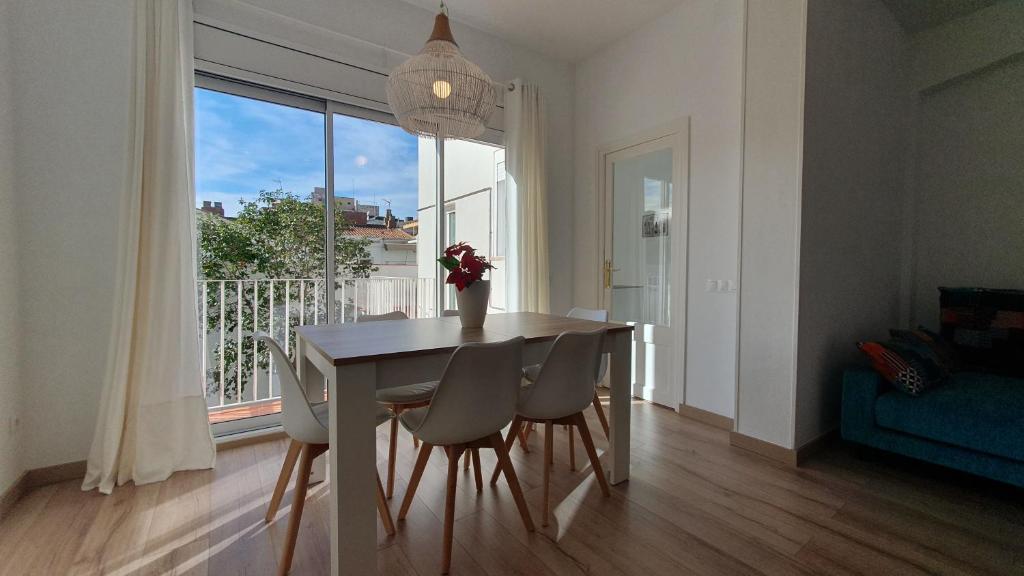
{"x": 153, "y": 417}
{"x": 527, "y": 186}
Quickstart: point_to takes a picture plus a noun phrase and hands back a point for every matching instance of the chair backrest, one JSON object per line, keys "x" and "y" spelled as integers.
{"x": 297, "y": 416}
{"x": 597, "y": 316}
{"x": 565, "y": 383}
{"x": 477, "y": 393}
{"x": 396, "y": 315}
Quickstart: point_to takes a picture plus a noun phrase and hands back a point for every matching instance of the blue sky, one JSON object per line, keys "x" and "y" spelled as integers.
{"x": 244, "y": 145}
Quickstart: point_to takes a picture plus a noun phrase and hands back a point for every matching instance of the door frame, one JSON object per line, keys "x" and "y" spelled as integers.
{"x": 678, "y": 132}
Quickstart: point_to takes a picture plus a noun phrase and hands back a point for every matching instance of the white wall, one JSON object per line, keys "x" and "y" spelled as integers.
{"x": 769, "y": 276}
{"x": 966, "y": 209}
{"x": 686, "y": 63}
{"x": 11, "y": 384}
{"x": 855, "y": 107}
{"x": 73, "y": 63}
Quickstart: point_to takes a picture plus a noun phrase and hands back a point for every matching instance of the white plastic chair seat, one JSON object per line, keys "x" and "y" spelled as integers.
{"x": 531, "y": 372}
{"x": 322, "y": 412}
{"x": 412, "y": 419}
{"x": 407, "y": 394}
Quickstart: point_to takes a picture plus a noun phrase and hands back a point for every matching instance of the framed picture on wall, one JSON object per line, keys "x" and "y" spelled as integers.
{"x": 655, "y": 223}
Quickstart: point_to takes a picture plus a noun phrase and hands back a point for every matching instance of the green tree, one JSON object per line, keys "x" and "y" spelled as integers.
{"x": 278, "y": 241}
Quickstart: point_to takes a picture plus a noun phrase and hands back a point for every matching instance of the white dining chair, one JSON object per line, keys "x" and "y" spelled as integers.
{"x": 562, "y": 390}
{"x": 475, "y": 399}
{"x": 307, "y": 425}
{"x": 398, "y": 399}
{"x": 530, "y": 373}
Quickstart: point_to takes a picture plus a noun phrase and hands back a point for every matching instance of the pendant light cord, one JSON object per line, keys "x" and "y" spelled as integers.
{"x": 444, "y": 8}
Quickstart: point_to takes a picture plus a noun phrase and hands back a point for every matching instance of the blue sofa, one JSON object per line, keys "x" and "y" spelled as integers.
{"x": 974, "y": 422}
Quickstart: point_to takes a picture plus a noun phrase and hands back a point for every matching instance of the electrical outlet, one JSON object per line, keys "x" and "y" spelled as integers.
{"x": 711, "y": 285}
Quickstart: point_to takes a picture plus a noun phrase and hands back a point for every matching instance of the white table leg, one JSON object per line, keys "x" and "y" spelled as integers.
{"x": 313, "y": 383}
{"x": 353, "y": 467}
{"x": 621, "y": 400}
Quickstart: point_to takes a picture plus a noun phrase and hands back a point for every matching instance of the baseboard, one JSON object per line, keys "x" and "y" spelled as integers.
{"x": 788, "y": 456}
{"x": 39, "y": 477}
{"x": 247, "y": 438}
{"x": 814, "y": 446}
{"x": 54, "y": 474}
{"x": 771, "y": 451}
{"x": 706, "y": 417}
{"x": 11, "y": 496}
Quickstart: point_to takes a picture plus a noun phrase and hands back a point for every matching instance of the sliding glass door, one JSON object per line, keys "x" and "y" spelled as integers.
{"x": 260, "y": 160}
{"x": 311, "y": 212}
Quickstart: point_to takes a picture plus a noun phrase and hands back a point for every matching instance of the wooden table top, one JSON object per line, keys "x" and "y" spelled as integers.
{"x": 353, "y": 343}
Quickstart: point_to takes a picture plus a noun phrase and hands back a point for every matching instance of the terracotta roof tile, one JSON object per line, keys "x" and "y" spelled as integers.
{"x": 378, "y": 233}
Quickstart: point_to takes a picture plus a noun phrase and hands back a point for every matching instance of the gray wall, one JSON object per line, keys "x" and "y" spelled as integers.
{"x": 968, "y": 195}
{"x": 855, "y": 106}
{"x": 10, "y": 378}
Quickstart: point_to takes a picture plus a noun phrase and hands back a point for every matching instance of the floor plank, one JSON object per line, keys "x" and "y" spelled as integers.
{"x": 694, "y": 505}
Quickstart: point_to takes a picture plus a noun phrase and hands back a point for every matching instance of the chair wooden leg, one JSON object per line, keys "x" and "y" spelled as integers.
{"x": 549, "y": 430}
{"x": 449, "y": 508}
{"x": 298, "y": 503}
{"x": 476, "y": 470}
{"x": 530, "y": 427}
{"x": 383, "y": 510}
{"x": 512, "y": 479}
{"x": 599, "y": 408}
{"x": 572, "y": 449}
{"x": 595, "y": 463}
{"x": 514, "y": 430}
{"x": 523, "y": 439}
{"x": 392, "y": 453}
{"x": 415, "y": 442}
{"x": 549, "y": 449}
{"x": 283, "y": 478}
{"x": 465, "y": 460}
{"x": 414, "y": 480}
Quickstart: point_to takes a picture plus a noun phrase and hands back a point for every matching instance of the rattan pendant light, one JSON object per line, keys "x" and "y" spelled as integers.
{"x": 438, "y": 92}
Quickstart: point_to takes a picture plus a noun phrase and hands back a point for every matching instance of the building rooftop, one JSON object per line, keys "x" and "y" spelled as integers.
{"x": 377, "y": 232}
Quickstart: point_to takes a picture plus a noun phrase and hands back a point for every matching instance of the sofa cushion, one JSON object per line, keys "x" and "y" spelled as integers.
{"x": 982, "y": 412}
{"x": 909, "y": 366}
{"x": 941, "y": 352}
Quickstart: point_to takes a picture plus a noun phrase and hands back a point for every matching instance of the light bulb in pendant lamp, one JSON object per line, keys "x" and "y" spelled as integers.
{"x": 442, "y": 89}
{"x": 438, "y": 92}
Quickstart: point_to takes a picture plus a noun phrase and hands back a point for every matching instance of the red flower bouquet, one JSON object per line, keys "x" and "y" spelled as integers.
{"x": 463, "y": 265}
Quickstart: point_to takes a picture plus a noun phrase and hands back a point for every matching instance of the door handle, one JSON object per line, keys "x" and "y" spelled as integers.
{"x": 608, "y": 273}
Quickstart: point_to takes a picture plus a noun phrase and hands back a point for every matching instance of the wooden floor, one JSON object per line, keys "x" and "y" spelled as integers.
{"x": 694, "y": 505}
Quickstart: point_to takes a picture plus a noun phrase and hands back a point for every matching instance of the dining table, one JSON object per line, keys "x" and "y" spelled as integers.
{"x": 355, "y": 359}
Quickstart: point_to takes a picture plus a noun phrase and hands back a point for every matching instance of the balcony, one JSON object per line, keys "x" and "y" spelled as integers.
{"x": 237, "y": 370}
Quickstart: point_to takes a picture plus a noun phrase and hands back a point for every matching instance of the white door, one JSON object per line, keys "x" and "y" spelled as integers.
{"x": 644, "y": 276}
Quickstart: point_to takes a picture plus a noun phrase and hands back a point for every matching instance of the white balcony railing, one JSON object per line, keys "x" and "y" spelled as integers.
{"x": 237, "y": 370}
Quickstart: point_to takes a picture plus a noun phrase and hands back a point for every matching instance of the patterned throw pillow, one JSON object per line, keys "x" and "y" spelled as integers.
{"x": 941, "y": 352}
{"x": 907, "y": 366}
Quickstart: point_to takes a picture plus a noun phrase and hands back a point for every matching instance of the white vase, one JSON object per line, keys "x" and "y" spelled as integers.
{"x": 472, "y": 302}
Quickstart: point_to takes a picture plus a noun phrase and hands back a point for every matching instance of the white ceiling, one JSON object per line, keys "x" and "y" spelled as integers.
{"x": 565, "y": 29}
